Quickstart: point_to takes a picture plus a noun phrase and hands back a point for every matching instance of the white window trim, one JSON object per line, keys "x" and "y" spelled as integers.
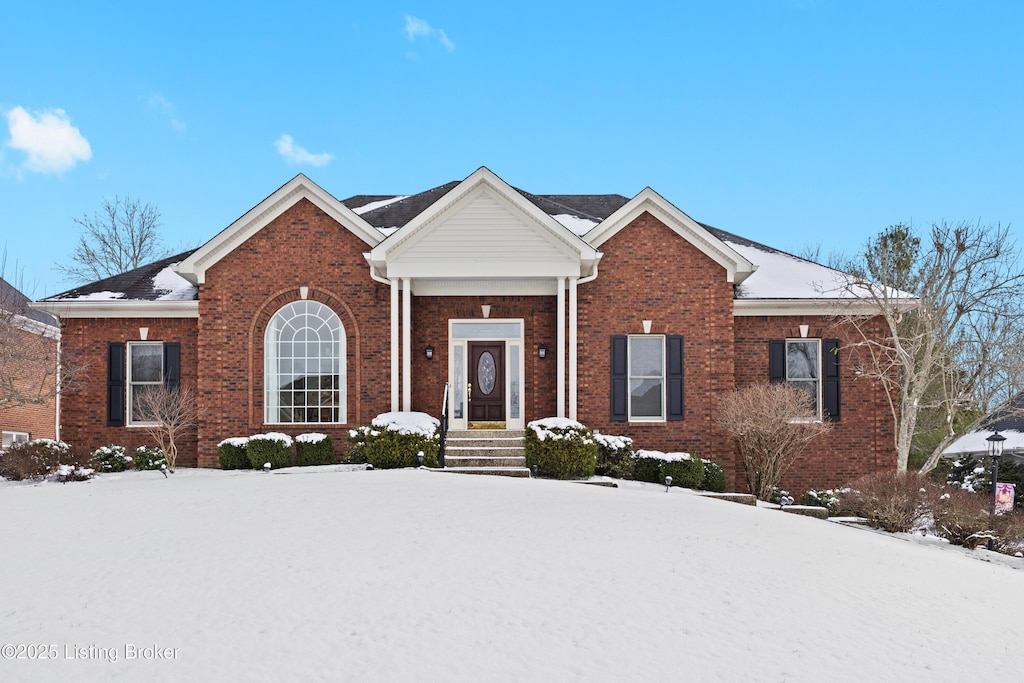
{"x": 13, "y": 436}
{"x": 129, "y": 383}
{"x": 630, "y": 377}
{"x": 819, "y": 380}
{"x": 342, "y": 372}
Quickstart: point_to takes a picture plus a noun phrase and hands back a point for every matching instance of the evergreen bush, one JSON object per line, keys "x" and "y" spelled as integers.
{"x": 647, "y": 466}
{"x": 560, "y": 448}
{"x": 111, "y": 458}
{"x": 686, "y": 471}
{"x": 714, "y": 477}
{"x": 824, "y": 498}
{"x": 356, "y": 451}
{"x": 233, "y": 454}
{"x": 314, "y": 449}
{"x": 614, "y": 456}
{"x": 274, "y": 448}
{"x": 396, "y": 439}
{"x": 149, "y": 458}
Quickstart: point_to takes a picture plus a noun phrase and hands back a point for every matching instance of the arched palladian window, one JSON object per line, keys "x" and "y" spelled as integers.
{"x": 304, "y": 355}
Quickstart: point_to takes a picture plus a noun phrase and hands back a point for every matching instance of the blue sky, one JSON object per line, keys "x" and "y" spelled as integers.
{"x": 789, "y": 122}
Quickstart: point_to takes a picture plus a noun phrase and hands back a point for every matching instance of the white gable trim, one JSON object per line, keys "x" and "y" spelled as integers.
{"x": 737, "y": 267}
{"x": 484, "y": 181}
{"x": 300, "y": 187}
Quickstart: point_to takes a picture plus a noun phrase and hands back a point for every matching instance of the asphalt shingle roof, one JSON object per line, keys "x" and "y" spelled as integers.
{"x": 13, "y": 301}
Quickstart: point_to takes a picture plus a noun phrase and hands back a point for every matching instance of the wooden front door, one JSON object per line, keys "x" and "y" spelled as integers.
{"x": 487, "y": 381}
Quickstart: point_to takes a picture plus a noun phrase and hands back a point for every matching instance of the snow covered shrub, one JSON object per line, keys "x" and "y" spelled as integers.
{"x": 149, "y": 458}
{"x": 969, "y": 474}
{"x": 111, "y": 458}
{"x": 36, "y": 459}
{"x": 892, "y": 501}
{"x": 234, "y": 454}
{"x": 686, "y": 471}
{"x": 273, "y": 447}
{"x": 396, "y": 439}
{"x": 714, "y": 477}
{"x": 560, "y": 448}
{"x": 356, "y": 451}
{"x": 962, "y": 517}
{"x": 614, "y": 456}
{"x": 647, "y": 466}
{"x": 824, "y": 498}
{"x": 314, "y": 449}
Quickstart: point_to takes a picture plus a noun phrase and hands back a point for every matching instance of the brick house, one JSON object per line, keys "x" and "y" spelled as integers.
{"x": 310, "y": 313}
{"x": 28, "y": 369}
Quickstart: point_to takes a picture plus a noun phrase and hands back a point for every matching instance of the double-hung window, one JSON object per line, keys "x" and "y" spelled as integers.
{"x": 811, "y": 365}
{"x": 145, "y": 374}
{"x": 647, "y": 378}
{"x": 803, "y": 370}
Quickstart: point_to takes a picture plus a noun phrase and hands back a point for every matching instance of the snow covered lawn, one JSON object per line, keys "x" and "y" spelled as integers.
{"x": 409, "y": 575}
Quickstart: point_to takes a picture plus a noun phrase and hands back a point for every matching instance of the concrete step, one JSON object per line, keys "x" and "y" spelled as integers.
{"x": 510, "y": 442}
{"x": 498, "y": 471}
{"x": 486, "y": 433}
{"x": 484, "y": 461}
{"x": 487, "y": 451}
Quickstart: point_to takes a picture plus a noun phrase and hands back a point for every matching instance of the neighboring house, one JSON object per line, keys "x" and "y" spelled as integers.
{"x": 1008, "y": 421}
{"x": 310, "y": 313}
{"x": 28, "y": 364}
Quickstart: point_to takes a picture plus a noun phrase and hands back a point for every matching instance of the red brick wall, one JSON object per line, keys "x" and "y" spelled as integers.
{"x": 649, "y": 272}
{"x": 84, "y": 410}
{"x": 33, "y": 375}
{"x": 302, "y": 247}
{"x": 430, "y": 315}
{"x": 861, "y": 441}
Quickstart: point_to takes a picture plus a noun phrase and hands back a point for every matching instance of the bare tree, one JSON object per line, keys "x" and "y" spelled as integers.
{"x": 768, "y": 423}
{"x": 958, "y": 348}
{"x": 172, "y": 412}
{"x": 121, "y": 236}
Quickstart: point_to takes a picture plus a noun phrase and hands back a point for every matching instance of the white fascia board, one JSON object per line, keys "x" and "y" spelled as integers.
{"x": 119, "y": 309}
{"x": 737, "y": 267}
{"x": 300, "y": 187}
{"x": 483, "y": 269}
{"x": 31, "y": 326}
{"x": 829, "y": 307}
{"x": 481, "y": 179}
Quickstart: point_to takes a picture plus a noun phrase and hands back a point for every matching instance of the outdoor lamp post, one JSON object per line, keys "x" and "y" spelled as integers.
{"x": 995, "y": 449}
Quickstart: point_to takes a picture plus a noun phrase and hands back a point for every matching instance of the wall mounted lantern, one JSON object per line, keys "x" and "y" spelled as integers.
{"x": 430, "y": 352}
{"x": 542, "y": 351}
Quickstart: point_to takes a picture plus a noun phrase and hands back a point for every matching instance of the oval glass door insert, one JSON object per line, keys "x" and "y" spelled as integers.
{"x": 485, "y": 373}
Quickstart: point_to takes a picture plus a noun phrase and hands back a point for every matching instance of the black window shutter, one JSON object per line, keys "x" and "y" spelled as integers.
{"x": 115, "y": 384}
{"x": 830, "y": 375}
{"x": 172, "y": 365}
{"x": 777, "y": 361}
{"x": 674, "y": 372}
{"x": 620, "y": 377}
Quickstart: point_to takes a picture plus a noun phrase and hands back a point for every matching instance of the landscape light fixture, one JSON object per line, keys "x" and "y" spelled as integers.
{"x": 430, "y": 352}
{"x": 266, "y": 467}
{"x": 995, "y": 449}
{"x": 668, "y": 482}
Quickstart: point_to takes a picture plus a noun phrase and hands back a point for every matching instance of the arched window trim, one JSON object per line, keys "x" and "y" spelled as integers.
{"x": 282, "y": 361}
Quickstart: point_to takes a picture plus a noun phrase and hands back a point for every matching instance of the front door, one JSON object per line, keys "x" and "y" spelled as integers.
{"x": 487, "y": 382}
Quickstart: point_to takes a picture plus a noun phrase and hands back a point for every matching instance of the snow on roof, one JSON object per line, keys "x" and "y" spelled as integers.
{"x": 782, "y": 276}
{"x": 93, "y": 296}
{"x": 975, "y": 442}
{"x": 365, "y": 208}
{"x": 173, "y": 286}
{"x": 578, "y": 225}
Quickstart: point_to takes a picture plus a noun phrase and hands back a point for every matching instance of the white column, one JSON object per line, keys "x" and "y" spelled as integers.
{"x": 572, "y": 348}
{"x": 394, "y": 344}
{"x": 560, "y": 349}
{"x": 406, "y": 344}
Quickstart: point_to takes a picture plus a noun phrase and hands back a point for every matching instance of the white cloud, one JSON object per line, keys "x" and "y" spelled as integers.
{"x": 294, "y": 154}
{"x": 52, "y": 144}
{"x": 157, "y": 102}
{"x": 419, "y": 28}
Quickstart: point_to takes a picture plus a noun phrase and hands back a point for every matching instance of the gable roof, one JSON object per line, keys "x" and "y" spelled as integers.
{"x": 480, "y": 228}
{"x": 768, "y": 281}
{"x": 13, "y": 301}
{"x": 1008, "y": 421}
{"x": 194, "y": 267}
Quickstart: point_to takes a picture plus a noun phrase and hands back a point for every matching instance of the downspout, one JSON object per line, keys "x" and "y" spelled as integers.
{"x": 56, "y": 396}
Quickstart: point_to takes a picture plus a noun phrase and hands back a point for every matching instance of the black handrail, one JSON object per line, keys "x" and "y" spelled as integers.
{"x": 444, "y": 426}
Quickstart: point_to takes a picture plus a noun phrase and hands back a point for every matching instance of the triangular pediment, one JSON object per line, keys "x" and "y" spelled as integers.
{"x": 298, "y": 188}
{"x": 483, "y": 228}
